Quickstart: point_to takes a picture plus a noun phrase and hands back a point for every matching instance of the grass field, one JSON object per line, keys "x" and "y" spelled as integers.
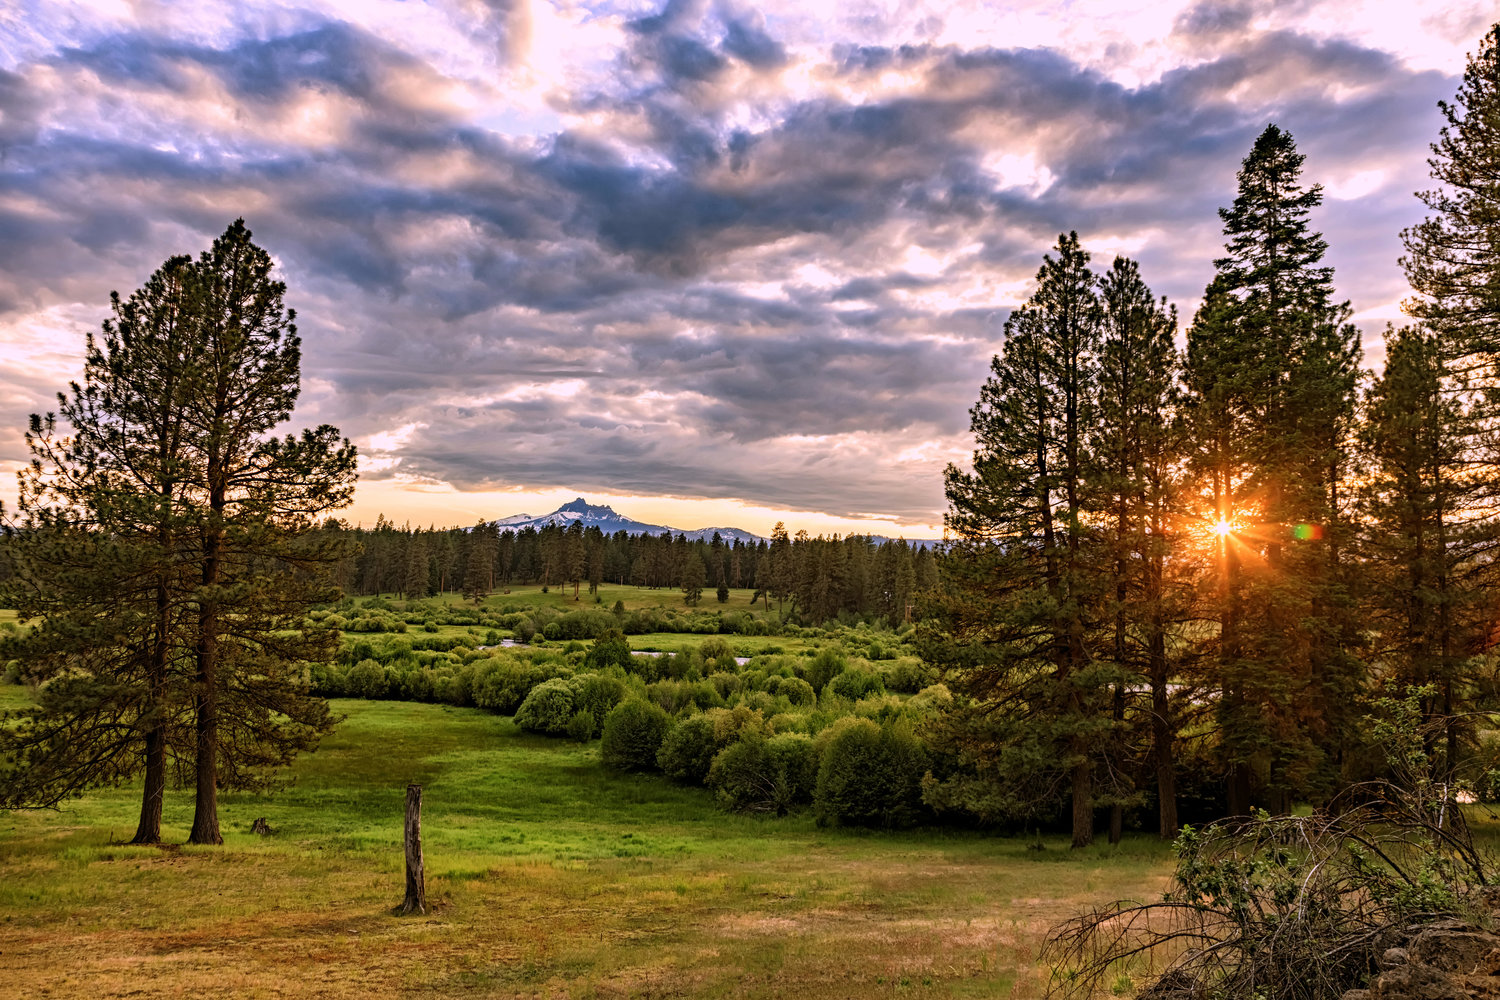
{"x": 634, "y": 599}
{"x": 549, "y": 877}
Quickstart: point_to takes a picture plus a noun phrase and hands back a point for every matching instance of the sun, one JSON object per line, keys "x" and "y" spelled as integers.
{"x": 1223, "y": 528}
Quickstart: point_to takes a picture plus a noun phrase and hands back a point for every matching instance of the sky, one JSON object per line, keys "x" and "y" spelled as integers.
{"x": 714, "y": 263}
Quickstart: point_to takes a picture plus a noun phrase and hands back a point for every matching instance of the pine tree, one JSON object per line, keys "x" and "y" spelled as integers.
{"x": 597, "y": 547}
{"x": 1433, "y": 415}
{"x": 477, "y": 567}
{"x": 1013, "y": 605}
{"x": 1137, "y": 444}
{"x": 254, "y": 497}
{"x": 96, "y": 561}
{"x": 418, "y": 574}
{"x": 575, "y": 557}
{"x": 779, "y": 581}
{"x": 693, "y": 576}
{"x": 1453, "y": 257}
{"x": 1272, "y": 367}
{"x": 1428, "y": 577}
{"x": 203, "y": 531}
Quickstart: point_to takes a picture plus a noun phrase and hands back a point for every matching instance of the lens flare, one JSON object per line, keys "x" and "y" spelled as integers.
{"x": 1223, "y": 528}
{"x": 1307, "y": 532}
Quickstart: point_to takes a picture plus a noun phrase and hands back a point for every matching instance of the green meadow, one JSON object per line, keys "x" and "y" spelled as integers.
{"x": 548, "y": 875}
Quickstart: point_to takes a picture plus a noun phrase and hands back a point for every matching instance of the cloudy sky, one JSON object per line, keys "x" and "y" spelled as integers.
{"x": 712, "y": 262}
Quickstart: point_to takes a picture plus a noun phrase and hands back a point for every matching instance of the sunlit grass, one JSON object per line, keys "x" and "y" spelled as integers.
{"x": 549, "y": 876}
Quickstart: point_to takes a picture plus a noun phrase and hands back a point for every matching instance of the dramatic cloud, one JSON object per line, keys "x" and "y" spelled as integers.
{"x": 692, "y": 250}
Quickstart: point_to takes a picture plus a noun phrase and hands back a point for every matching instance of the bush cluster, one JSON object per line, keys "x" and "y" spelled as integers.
{"x": 633, "y": 734}
{"x": 827, "y": 728}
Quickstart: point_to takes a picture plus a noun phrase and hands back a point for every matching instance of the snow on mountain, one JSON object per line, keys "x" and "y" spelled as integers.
{"x": 609, "y": 521}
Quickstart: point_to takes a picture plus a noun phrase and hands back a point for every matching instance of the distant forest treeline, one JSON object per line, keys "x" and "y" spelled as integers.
{"x": 808, "y": 579}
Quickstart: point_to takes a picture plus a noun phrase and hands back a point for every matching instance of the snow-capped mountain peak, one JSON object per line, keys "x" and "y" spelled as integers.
{"x": 609, "y": 521}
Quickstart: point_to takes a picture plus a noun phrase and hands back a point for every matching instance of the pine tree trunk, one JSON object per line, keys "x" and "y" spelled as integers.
{"x": 148, "y": 831}
{"x": 1161, "y": 741}
{"x": 206, "y": 799}
{"x": 1083, "y": 805}
{"x": 1238, "y": 791}
{"x": 1161, "y": 721}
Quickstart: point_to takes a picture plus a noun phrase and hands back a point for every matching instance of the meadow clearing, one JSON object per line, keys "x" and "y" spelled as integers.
{"x": 549, "y": 875}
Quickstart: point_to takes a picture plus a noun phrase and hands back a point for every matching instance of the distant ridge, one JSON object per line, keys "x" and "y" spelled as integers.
{"x": 609, "y": 521}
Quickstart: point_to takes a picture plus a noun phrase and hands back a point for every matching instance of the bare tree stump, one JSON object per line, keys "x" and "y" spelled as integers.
{"x": 416, "y": 877}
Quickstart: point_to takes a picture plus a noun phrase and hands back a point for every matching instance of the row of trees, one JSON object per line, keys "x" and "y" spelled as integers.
{"x": 164, "y": 550}
{"x": 1222, "y": 550}
{"x": 808, "y": 579}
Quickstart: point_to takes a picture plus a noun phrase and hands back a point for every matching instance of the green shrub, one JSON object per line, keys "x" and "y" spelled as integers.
{"x": 796, "y": 690}
{"x": 596, "y": 694}
{"x": 932, "y": 699}
{"x": 548, "y": 708}
{"x": 610, "y": 650}
{"x": 688, "y": 749}
{"x": 856, "y": 684}
{"x": 582, "y": 726}
{"x": 633, "y": 734}
{"x": 823, "y": 667}
{"x": 501, "y": 685}
{"x": 908, "y": 675}
{"x": 725, "y": 683}
{"x": 759, "y": 701}
{"x": 366, "y": 679}
{"x": 326, "y": 679}
{"x": 758, "y": 774}
{"x": 869, "y": 775}
{"x": 717, "y": 654}
{"x": 674, "y": 696}
{"x": 790, "y": 722}
{"x": 884, "y": 708}
{"x": 414, "y": 685}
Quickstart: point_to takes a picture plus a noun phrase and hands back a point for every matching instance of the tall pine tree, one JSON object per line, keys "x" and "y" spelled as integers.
{"x": 1136, "y": 491}
{"x": 1426, "y": 565}
{"x": 1020, "y": 578}
{"x": 99, "y": 559}
{"x": 1453, "y": 257}
{"x": 1272, "y": 367}
{"x": 203, "y": 525}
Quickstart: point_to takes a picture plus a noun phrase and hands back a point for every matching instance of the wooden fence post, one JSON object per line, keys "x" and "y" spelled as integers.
{"x": 416, "y": 879}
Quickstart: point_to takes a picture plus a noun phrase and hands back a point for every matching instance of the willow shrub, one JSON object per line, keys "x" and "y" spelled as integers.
{"x": 869, "y": 775}
{"x": 761, "y": 774}
{"x": 633, "y": 734}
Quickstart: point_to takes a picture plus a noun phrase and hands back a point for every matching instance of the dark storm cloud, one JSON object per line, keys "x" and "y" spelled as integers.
{"x": 746, "y": 39}
{"x": 626, "y": 306}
